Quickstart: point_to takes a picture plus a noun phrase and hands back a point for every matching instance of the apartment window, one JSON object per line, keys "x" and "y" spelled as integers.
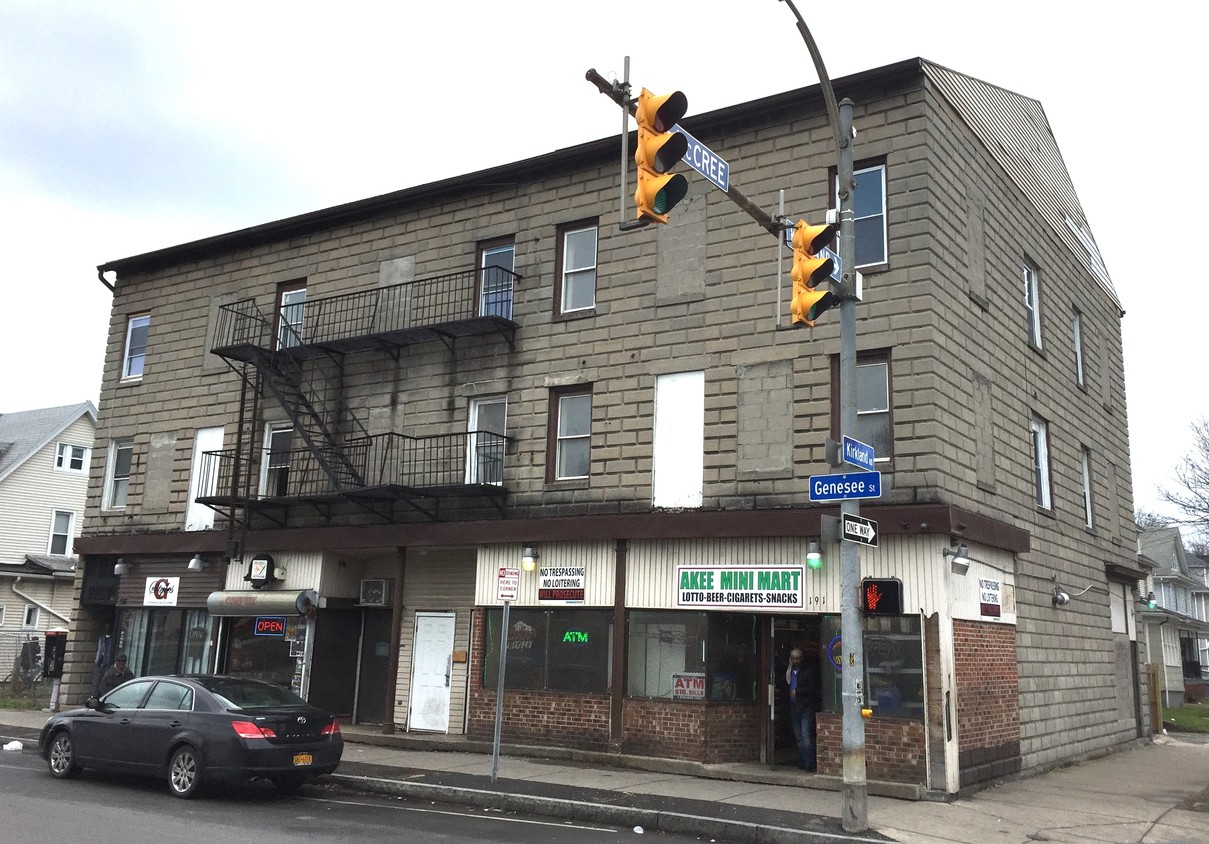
{"x": 497, "y": 266}
{"x": 136, "y": 346}
{"x": 1085, "y": 461}
{"x": 874, "y": 425}
{"x": 1032, "y": 303}
{"x": 1, "y": 615}
{"x": 1076, "y": 330}
{"x": 485, "y": 440}
{"x": 72, "y": 458}
{"x": 203, "y": 478}
{"x": 1041, "y": 474}
{"x": 62, "y": 524}
{"x": 571, "y": 435}
{"x": 32, "y": 616}
{"x": 291, "y": 305}
{"x": 576, "y": 261}
{"x": 117, "y": 474}
{"x": 869, "y": 214}
{"x": 275, "y": 471}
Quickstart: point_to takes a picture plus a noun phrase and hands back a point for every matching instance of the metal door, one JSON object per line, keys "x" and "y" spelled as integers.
{"x": 431, "y": 667}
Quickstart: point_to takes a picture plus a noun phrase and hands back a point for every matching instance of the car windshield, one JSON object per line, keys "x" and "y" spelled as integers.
{"x": 234, "y": 693}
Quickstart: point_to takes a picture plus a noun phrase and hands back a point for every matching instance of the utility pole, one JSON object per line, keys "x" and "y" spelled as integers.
{"x": 855, "y": 791}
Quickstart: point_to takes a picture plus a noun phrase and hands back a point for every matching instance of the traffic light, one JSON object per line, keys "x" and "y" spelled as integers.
{"x": 882, "y": 596}
{"x": 809, "y": 270}
{"x": 657, "y": 152}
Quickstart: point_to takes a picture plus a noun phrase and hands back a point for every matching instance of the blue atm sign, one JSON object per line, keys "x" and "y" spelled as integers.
{"x": 845, "y": 487}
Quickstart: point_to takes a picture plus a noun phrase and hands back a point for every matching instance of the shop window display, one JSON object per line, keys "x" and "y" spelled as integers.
{"x": 550, "y": 650}
{"x": 692, "y": 655}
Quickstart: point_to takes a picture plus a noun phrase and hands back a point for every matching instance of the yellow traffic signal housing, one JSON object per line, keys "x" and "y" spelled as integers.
{"x": 657, "y": 152}
{"x": 809, "y": 269}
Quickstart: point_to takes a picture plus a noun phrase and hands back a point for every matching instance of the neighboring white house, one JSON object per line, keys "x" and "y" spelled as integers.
{"x": 45, "y": 457}
{"x": 1177, "y": 627}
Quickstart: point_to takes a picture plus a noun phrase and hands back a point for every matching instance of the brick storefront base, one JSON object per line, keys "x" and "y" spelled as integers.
{"x": 894, "y": 749}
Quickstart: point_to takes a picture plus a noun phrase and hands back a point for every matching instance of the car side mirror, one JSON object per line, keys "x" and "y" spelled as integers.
{"x": 92, "y": 703}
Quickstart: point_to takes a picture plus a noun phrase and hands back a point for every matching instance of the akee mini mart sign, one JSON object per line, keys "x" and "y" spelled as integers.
{"x": 741, "y": 587}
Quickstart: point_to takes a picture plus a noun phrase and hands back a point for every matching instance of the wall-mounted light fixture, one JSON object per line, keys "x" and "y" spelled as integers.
{"x": 529, "y": 558}
{"x": 1061, "y": 597}
{"x": 121, "y": 567}
{"x": 814, "y": 556}
{"x": 1151, "y": 602}
{"x": 960, "y": 562}
{"x": 197, "y": 563}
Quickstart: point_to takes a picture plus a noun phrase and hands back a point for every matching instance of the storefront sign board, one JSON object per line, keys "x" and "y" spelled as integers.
{"x": 688, "y": 686}
{"x": 770, "y": 588}
{"x": 161, "y": 591}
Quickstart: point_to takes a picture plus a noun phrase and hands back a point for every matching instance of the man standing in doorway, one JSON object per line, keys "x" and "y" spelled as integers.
{"x": 803, "y": 681}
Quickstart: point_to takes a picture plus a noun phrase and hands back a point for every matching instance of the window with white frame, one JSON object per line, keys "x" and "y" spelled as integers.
{"x": 569, "y": 456}
{"x": 135, "y": 356}
{"x": 203, "y": 478}
{"x": 117, "y": 474}
{"x": 485, "y": 440}
{"x": 62, "y": 526}
{"x": 72, "y": 458}
{"x": 869, "y": 215}
{"x": 291, "y": 312}
{"x": 497, "y": 264}
{"x": 1041, "y": 475}
{"x": 1076, "y": 330}
{"x": 1, "y": 615}
{"x": 577, "y": 268}
{"x": 275, "y": 467}
{"x": 873, "y": 407}
{"x": 32, "y": 616}
{"x": 1032, "y": 302}
{"x": 1085, "y": 460}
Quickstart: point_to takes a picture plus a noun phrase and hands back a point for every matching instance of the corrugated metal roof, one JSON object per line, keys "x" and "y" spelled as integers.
{"x": 23, "y": 434}
{"x": 1017, "y": 133}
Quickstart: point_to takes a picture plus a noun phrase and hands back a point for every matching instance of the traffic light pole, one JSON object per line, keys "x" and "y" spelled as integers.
{"x": 855, "y": 792}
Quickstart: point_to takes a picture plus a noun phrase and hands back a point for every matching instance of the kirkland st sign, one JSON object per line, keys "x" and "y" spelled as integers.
{"x": 741, "y": 587}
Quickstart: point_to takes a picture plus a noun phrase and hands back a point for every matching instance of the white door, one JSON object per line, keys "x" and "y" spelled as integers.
{"x": 431, "y": 667}
{"x": 199, "y": 516}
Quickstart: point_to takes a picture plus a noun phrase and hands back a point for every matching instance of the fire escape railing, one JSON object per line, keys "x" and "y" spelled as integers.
{"x": 381, "y": 463}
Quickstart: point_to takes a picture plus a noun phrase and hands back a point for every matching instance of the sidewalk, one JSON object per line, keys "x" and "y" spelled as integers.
{"x": 1152, "y": 793}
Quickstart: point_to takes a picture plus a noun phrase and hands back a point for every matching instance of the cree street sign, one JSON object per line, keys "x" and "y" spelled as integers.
{"x": 857, "y": 529}
{"x": 705, "y": 161}
{"x": 857, "y": 453}
{"x": 846, "y": 487}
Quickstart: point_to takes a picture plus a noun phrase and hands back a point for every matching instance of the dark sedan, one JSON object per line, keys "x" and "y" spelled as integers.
{"x": 196, "y": 729}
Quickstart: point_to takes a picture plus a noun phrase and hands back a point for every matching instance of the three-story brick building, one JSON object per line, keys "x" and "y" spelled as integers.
{"x": 337, "y": 428}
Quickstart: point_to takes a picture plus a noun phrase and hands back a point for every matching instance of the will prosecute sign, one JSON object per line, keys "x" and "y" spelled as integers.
{"x": 561, "y": 584}
{"x": 741, "y": 587}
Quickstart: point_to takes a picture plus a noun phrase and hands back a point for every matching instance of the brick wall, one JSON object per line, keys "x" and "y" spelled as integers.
{"x": 894, "y": 748}
{"x": 699, "y": 731}
{"x": 988, "y": 700}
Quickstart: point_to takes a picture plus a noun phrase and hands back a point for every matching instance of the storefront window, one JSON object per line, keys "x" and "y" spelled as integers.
{"x": 168, "y": 641}
{"x": 894, "y": 675}
{"x": 197, "y": 645}
{"x": 271, "y": 658}
{"x": 692, "y": 655}
{"x": 551, "y": 650}
{"x": 164, "y": 641}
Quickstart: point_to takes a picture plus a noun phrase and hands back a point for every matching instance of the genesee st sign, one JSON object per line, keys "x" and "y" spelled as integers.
{"x": 846, "y": 486}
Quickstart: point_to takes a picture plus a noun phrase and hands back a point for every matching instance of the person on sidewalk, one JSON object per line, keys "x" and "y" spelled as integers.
{"x": 803, "y": 684}
{"x": 117, "y": 674}
{"x": 104, "y": 658}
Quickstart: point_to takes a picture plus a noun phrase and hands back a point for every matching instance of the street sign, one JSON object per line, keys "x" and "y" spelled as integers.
{"x": 858, "y": 529}
{"x": 858, "y": 454}
{"x": 837, "y": 270}
{"x": 508, "y": 585}
{"x": 846, "y": 487}
{"x": 705, "y": 161}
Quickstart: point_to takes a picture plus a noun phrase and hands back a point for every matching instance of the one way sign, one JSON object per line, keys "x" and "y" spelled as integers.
{"x": 856, "y": 529}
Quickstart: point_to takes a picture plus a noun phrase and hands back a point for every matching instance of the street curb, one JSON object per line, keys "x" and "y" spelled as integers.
{"x": 585, "y": 812}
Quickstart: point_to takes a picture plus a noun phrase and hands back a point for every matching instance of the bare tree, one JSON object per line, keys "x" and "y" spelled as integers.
{"x": 1147, "y": 520}
{"x": 1193, "y": 476}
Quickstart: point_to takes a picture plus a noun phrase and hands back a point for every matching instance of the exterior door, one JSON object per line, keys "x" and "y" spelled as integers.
{"x": 375, "y": 657}
{"x": 431, "y": 667}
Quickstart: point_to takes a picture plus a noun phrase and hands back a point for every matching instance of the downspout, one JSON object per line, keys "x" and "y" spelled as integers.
{"x": 101, "y": 276}
{"x": 35, "y": 601}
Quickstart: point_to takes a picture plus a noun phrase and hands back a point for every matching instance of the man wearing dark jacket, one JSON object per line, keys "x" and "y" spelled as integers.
{"x": 803, "y": 704}
{"x": 117, "y": 674}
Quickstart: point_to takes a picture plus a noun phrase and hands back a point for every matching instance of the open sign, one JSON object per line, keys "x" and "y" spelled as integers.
{"x": 270, "y": 625}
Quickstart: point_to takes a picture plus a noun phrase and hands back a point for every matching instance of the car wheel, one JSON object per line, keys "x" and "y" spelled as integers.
{"x": 288, "y": 785}
{"x": 62, "y": 756}
{"x": 184, "y": 772}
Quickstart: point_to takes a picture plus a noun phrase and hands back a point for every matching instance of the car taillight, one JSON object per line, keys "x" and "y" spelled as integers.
{"x": 332, "y": 729}
{"x": 246, "y": 729}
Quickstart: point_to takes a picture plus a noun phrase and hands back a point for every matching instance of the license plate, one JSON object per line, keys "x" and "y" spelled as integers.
{"x": 301, "y": 759}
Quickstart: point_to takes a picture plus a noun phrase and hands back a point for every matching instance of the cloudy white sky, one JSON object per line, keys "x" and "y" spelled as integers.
{"x": 131, "y": 125}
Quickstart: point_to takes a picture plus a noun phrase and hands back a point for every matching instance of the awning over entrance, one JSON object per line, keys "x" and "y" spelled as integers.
{"x": 243, "y": 603}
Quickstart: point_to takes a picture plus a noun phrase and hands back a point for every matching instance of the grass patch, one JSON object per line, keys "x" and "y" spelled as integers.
{"x": 1190, "y": 718}
{"x": 38, "y": 698}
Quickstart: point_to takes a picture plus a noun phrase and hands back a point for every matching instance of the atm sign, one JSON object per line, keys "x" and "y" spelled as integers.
{"x": 270, "y": 625}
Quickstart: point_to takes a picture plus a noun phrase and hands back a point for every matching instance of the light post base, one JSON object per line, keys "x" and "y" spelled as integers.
{"x": 856, "y": 807}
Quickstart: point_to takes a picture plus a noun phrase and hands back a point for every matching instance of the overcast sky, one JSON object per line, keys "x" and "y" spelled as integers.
{"x": 130, "y": 125}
